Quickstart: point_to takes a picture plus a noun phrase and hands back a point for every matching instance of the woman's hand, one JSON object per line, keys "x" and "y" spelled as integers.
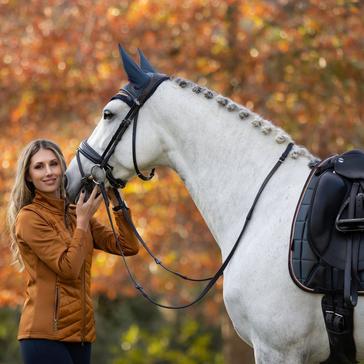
{"x": 85, "y": 210}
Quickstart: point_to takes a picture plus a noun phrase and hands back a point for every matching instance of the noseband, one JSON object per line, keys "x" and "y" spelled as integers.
{"x": 102, "y": 170}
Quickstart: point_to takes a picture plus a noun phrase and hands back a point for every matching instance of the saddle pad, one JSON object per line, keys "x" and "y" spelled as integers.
{"x": 306, "y": 268}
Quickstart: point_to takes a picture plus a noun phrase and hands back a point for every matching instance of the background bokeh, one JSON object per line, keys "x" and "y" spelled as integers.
{"x": 299, "y": 63}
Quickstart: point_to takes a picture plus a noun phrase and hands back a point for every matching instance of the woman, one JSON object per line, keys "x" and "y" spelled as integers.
{"x": 54, "y": 242}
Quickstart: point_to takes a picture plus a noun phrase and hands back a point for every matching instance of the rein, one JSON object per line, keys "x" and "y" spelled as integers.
{"x": 220, "y": 271}
{"x": 102, "y": 171}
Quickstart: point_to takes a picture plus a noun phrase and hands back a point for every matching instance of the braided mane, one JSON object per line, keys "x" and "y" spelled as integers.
{"x": 244, "y": 114}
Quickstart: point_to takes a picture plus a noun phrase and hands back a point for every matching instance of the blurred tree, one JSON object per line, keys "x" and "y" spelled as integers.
{"x": 9, "y": 348}
{"x": 128, "y": 330}
{"x": 133, "y": 332}
{"x": 297, "y": 62}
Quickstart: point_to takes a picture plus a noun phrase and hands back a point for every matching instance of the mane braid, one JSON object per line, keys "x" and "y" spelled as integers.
{"x": 265, "y": 126}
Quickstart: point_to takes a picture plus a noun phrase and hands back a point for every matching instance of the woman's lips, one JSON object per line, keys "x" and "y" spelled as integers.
{"x": 50, "y": 181}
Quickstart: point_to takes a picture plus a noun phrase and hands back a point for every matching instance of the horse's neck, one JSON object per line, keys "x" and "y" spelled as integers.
{"x": 222, "y": 159}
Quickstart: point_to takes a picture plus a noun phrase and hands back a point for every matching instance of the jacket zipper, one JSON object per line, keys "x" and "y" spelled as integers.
{"x": 56, "y": 306}
{"x": 83, "y": 282}
{"x": 84, "y": 304}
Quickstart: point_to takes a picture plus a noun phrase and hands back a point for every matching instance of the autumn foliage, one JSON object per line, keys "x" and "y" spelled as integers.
{"x": 297, "y": 63}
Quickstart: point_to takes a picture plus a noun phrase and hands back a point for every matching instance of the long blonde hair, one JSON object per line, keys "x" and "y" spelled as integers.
{"x": 23, "y": 191}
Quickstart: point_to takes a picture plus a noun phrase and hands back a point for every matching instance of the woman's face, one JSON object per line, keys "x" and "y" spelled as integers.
{"x": 45, "y": 172}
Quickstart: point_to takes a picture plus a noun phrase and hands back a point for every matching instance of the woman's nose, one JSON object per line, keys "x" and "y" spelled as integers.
{"x": 48, "y": 169}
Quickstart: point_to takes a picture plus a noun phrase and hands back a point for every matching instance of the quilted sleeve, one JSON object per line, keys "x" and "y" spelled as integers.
{"x": 104, "y": 238}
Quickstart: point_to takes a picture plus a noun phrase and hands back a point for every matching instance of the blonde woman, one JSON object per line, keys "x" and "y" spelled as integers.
{"x": 53, "y": 242}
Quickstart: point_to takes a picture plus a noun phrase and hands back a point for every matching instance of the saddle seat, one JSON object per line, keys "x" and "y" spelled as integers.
{"x": 337, "y": 206}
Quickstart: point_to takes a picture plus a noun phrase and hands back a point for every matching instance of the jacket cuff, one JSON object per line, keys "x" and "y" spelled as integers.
{"x": 79, "y": 235}
{"x": 120, "y": 212}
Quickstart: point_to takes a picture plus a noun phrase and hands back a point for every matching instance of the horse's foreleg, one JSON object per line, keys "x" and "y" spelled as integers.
{"x": 265, "y": 355}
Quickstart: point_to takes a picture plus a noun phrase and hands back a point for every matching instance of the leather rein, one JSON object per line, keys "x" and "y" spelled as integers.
{"x": 102, "y": 171}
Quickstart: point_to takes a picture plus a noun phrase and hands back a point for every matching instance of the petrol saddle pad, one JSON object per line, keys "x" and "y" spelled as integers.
{"x": 327, "y": 236}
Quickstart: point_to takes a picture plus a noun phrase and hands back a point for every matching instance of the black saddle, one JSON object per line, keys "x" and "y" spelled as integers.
{"x": 327, "y": 239}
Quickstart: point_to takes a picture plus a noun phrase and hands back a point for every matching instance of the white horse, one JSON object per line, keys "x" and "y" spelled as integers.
{"x": 223, "y": 152}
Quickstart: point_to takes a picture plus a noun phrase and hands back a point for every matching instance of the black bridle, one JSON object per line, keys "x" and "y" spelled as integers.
{"x": 102, "y": 171}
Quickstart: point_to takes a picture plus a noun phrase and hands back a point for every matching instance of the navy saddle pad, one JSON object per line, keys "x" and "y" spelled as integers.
{"x": 327, "y": 233}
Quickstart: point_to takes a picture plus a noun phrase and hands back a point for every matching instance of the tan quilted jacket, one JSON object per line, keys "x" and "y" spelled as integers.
{"x": 58, "y": 304}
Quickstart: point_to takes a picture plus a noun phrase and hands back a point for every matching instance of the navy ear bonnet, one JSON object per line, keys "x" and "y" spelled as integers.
{"x": 143, "y": 79}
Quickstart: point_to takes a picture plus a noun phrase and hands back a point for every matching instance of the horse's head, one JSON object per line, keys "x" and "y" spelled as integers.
{"x": 110, "y": 155}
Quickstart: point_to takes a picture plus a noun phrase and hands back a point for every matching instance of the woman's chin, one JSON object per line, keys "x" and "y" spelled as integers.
{"x": 49, "y": 189}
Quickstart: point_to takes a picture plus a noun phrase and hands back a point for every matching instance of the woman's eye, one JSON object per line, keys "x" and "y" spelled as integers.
{"x": 108, "y": 114}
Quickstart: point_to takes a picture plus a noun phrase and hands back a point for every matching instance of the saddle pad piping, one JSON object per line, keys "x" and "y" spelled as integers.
{"x": 290, "y": 260}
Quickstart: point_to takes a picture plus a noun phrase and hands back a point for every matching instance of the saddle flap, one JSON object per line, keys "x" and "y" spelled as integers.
{"x": 329, "y": 195}
{"x": 350, "y": 164}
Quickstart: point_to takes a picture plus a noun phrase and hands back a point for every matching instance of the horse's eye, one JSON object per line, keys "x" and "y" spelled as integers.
{"x": 108, "y": 114}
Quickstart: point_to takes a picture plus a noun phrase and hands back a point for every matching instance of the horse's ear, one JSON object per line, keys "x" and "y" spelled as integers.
{"x": 144, "y": 63}
{"x": 135, "y": 74}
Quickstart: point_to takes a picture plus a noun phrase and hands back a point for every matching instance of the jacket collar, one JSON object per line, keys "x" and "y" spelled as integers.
{"x": 53, "y": 204}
